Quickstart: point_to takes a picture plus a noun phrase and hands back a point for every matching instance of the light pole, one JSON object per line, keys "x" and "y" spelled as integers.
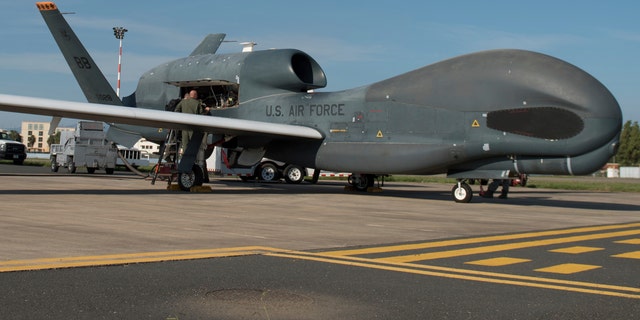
{"x": 119, "y": 33}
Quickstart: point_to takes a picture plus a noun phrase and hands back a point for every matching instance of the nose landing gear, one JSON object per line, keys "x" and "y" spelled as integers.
{"x": 462, "y": 192}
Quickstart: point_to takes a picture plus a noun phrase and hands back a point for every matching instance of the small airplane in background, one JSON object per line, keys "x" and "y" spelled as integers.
{"x": 482, "y": 115}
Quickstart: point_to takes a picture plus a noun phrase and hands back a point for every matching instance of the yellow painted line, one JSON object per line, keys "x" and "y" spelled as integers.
{"x": 471, "y": 275}
{"x": 303, "y": 255}
{"x": 568, "y": 268}
{"x": 576, "y": 250}
{"x": 498, "y": 262}
{"x": 506, "y": 247}
{"x": 129, "y": 258}
{"x": 629, "y": 241}
{"x": 448, "y": 243}
{"x": 628, "y": 255}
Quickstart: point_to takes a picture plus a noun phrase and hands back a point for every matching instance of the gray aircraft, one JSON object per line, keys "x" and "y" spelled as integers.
{"x": 482, "y": 115}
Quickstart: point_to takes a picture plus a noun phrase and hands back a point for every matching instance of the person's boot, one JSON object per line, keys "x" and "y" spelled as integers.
{"x": 503, "y": 195}
{"x": 486, "y": 194}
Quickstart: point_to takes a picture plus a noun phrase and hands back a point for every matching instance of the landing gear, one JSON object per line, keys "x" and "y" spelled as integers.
{"x": 193, "y": 178}
{"x": 462, "y": 192}
{"x": 362, "y": 182}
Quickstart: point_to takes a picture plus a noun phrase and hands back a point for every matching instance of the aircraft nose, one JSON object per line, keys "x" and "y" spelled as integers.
{"x": 557, "y": 105}
{"x": 548, "y": 98}
{"x": 593, "y": 102}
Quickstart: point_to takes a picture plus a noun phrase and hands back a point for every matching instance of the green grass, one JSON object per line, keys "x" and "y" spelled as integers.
{"x": 605, "y": 185}
{"x": 30, "y": 162}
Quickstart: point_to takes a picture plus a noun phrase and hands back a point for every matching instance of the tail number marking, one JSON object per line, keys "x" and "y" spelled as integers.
{"x": 82, "y": 62}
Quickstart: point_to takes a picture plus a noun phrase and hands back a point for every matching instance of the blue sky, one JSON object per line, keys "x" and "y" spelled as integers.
{"x": 356, "y": 42}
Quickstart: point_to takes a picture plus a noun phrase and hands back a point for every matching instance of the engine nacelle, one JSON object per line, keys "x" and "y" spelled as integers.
{"x": 288, "y": 70}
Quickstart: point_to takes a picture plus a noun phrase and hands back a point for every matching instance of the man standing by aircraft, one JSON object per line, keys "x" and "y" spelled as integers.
{"x": 190, "y": 104}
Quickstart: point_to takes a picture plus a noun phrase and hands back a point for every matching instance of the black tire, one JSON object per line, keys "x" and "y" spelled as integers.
{"x": 187, "y": 180}
{"x": 462, "y": 193}
{"x": 294, "y": 174}
{"x": 91, "y": 170}
{"x": 268, "y": 172}
{"x": 18, "y": 161}
{"x": 523, "y": 180}
{"x": 54, "y": 165}
{"x": 363, "y": 182}
{"x": 109, "y": 170}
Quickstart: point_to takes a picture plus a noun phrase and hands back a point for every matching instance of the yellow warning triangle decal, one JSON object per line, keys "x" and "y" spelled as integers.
{"x": 379, "y": 135}
{"x": 475, "y": 124}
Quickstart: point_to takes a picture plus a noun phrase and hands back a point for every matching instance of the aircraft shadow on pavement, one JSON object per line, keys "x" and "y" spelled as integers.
{"x": 519, "y": 197}
{"x": 80, "y": 192}
{"x": 530, "y": 198}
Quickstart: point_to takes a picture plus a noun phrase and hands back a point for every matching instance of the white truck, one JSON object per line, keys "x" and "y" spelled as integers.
{"x": 10, "y": 149}
{"x": 133, "y": 156}
{"x": 85, "y": 147}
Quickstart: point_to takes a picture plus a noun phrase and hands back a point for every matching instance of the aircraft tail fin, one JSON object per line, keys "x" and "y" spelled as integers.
{"x": 92, "y": 81}
{"x": 209, "y": 45}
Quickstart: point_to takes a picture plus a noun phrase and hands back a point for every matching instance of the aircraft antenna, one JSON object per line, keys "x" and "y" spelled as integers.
{"x": 119, "y": 33}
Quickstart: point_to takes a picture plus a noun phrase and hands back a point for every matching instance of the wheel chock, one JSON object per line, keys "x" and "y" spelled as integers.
{"x": 369, "y": 189}
{"x": 200, "y": 189}
{"x": 174, "y": 187}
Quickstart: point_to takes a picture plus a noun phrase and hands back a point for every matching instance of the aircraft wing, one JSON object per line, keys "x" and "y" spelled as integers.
{"x": 153, "y": 118}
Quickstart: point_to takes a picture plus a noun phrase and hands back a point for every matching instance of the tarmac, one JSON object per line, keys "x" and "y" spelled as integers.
{"x": 58, "y": 215}
{"x": 299, "y": 244}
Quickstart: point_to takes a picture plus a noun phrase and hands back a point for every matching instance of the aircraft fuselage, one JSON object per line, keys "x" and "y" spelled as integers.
{"x": 497, "y": 110}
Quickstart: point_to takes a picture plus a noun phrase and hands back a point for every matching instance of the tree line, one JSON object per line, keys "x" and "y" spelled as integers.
{"x": 15, "y": 135}
{"x": 629, "y": 150}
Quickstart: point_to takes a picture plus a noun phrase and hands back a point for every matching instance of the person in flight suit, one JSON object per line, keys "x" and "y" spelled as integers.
{"x": 190, "y": 104}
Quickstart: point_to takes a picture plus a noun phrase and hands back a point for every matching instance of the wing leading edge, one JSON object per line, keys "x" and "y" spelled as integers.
{"x": 153, "y": 118}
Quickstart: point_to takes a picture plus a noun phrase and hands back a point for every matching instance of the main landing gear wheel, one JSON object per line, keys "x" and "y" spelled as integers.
{"x": 362, "y": 182}
{"x": 462, "y": 192}
{"x": 294, "y": 173}
{"x": 194, "y": 178}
